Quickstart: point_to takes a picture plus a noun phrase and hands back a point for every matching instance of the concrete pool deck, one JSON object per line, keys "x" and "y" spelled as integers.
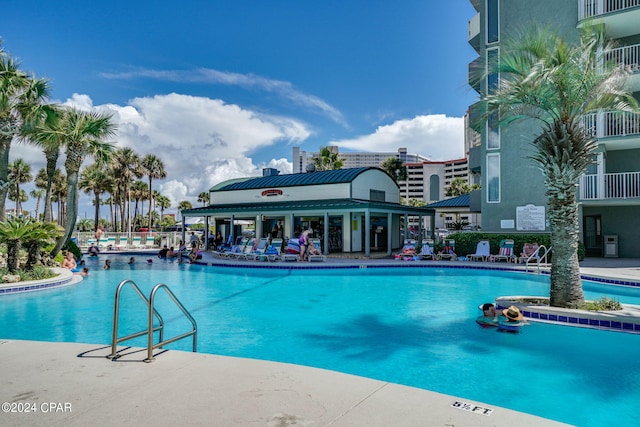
{"x": 67, "y": 384}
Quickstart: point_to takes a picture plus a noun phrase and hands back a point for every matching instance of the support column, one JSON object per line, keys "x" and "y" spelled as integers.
{"x": 325, "y": 247}
{"x": 232, "y": 229}
{"x": 258, "y": 226}
{"x": 292, "y": 227}
{"x": 367, "y": 233}
{"x": 406, "y": 228}
{"x": 206, "y": 233}
{"x": 389, "y": 232}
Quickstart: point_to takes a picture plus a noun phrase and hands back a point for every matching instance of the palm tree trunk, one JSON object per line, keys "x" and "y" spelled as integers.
{"x": 72, "y": 204}
{"x": 566, "y": 285}
{"x": 52, "y": 160}
{"x": 96, "y": 219}
{"x": 5, "y": 146}
{"x": 13, "y": 252}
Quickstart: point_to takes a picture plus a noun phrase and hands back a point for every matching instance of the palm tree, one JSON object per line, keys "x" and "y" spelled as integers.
{"x": 19, "y": 173}
{"x": 85, "y": 224}
{"x": 43, "y": 134}
{"x": 94, "y": 179}
{"x": 21, "y": 97}
{"x": 185, "y": 204}
{"x": 327, "y": 160}
{"x": 139, "y": 191}
{"x": 13, "y": 232}
{"x": 203, "y": 198}
{"x": 394, "y": 167}
{"x": 154, "y": 169}
{"x": 83, "y": 134}
{"x": 163, "y": 202}
{"x": 59, "y": 193}
{"x": 41, "y": 233}
{"x": 544, "y": 78}
{"x": 37, "y": 193}
{"x": 459, "y": 186}
{"x": 125, "y": 167}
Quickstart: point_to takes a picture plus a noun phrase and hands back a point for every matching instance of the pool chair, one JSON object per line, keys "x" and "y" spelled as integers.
{"x": 258, "y": 253}
{"x": 247, "y": 253}
{"x": 103, "y": 243}
{"x": 316, "y": 245}
{"x": 505, "y": 253}
{"x": 448, "y": 250}
{"x": 121, "y": 243}
{"x": 426, "y": 251}
{"x": 292, "y": 253}
{"x": 239, "y": 251}
{"x": 529, "y": 253}
{"x": 483, "y": 251}
{"x": 136, "y": 242}
{"x": 408, "y": 251}
{"x": 274, "y": 250}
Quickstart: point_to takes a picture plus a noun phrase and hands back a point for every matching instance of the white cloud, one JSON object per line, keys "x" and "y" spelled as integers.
{"x": 201, "y": 141}
{"x": 248, "y": 81}
{"x": 436, "y": 136}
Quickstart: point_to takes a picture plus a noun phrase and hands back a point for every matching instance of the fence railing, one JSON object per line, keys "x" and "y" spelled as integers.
{"x": 625, "y": 185}
{"x": 626, "y": 56}
{"x": 591, "y": 8}
{"x": 607, "y": 124}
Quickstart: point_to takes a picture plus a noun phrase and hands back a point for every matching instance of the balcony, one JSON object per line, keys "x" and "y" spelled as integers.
{"x": 476, "y": 74}
{"x": 620, "y": 17}
{"x": 617, "y": 130}
{"x": 474, "y": 32}
{"x": 628, "y": 57}
{"x": 610, "y": 186}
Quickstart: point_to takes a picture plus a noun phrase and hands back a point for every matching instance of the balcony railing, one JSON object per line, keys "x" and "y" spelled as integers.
{"x": 591, "y": 8}
{"x": 624, "y": 185}
{"x": 609, "y": 124}
{"x": 627, "y": 56}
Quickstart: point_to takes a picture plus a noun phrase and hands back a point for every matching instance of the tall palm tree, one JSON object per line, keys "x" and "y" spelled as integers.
{"x": 37, "y": 193}
{"x": 203, "y": 198}
{"x": 19, "y": 173}
{"x": 394, "y": 167}
{"x": 21, "y": 97}
{"x": 154, "y": 169}
{"x": 125, "y": 167}
{"x": 139, "y": 192}
{"x": 95, "y": 180}
{"x": 554, "y": 83}
{"x": 84, "y": 135}
{"x": 162, "y": 202}
{"x": 327, "y": 160}
{"x": 184, "y": 204}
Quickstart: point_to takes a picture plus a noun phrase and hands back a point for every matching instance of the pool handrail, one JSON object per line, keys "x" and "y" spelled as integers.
{"x": 537, "y": 258}
{"x": 116, "y": 315}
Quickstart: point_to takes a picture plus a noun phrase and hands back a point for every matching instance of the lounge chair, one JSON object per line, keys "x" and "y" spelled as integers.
{"x": 292, "y": 253}
{"x": 258, "y": 254}
{"x": 316, "y": 258}
{"x": 247, "y": 252}
{"x": 483, "y": 251}
{"x": 448, "y": 250}
{"x": 529, "y": 253}
{"x": 136, "y": 242}
{"x": 274, "y": 250}
{"x": 236, "y": 250}
{"x": 426, "y": 251}
{"x": 408, "y": 251}
{"x": 505, "y": 253}
{"x": 121, "y": 243}
{"x": 103, "y": 243}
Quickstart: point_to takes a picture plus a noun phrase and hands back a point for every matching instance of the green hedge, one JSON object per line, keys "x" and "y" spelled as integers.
{"x": 466, "y": 242}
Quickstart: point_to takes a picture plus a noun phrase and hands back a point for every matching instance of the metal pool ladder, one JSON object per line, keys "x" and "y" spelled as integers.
{"x": 150, "y": 329}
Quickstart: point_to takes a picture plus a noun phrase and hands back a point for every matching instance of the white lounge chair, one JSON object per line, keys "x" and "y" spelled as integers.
{"x": 426, "y": 251}
{"x": 483, "y": 251}
{"x": 452, "y": 255}
{"x": 316, "y": 258}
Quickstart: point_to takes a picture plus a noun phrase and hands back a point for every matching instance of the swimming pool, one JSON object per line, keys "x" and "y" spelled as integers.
{"x": 410, "y": 326}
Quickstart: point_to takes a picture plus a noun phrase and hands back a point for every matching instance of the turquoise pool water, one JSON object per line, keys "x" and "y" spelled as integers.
{"x": 406, "y": 325}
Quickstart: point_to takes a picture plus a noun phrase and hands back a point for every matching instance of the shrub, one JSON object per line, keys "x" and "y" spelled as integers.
{"x": 602, "y": 304}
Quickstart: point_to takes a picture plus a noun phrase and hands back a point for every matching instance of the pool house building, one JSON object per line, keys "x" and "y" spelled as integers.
{"x": 354, "y": 210}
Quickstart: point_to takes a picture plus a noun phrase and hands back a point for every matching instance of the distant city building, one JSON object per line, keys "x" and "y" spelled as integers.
{"x": 353, "y": 160}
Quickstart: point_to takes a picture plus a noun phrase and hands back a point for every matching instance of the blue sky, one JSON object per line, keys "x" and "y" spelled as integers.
{"x": 220, "y": 89}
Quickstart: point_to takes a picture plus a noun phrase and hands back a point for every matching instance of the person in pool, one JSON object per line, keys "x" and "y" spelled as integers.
{"x": 512, "y": 321}
{"x": 489, "y": 315}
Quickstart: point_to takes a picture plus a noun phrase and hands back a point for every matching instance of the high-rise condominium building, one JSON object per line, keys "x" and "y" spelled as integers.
{"x": 513, "y": 193}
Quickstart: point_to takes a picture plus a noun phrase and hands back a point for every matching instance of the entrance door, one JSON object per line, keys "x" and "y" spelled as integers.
{"x": 592, "y": 226}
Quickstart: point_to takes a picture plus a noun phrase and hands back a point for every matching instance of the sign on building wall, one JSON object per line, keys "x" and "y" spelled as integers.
{"x": 530, "y": 218}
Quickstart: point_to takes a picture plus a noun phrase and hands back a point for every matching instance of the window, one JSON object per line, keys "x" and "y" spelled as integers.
{"x": 376, "y": 196}
{"x": 493, "y": 24}
{"x": 493, "y": 133}
{"x": 493, "y": 178}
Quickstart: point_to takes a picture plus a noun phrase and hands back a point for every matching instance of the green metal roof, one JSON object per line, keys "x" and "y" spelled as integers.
{"x": 290, "y": 206}
{"x": 454, "y": 202}
{"x": 219, "y": 185}
{"x": 296, "y": 179}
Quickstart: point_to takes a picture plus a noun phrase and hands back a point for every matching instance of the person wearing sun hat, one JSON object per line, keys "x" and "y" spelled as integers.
{"x": 513, "y": 319}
